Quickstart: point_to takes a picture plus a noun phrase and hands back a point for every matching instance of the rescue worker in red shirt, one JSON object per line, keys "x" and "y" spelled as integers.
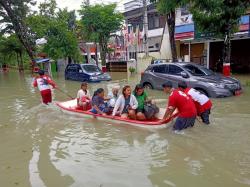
{"x": 43, "y": 83}
{"x": 186, "y": 108}
{"x": 201, "y": 101}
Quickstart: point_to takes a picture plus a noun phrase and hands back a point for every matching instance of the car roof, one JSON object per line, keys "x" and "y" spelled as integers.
{"x": 83, "y": 64}
{"x": 176, "y": 63}
{"x": 88, "y": 64}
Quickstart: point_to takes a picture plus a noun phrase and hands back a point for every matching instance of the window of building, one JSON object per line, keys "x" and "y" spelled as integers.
{"x": 156, "y": 22}
{"x": 150, "y": 22}
{"x": 184, "y": 11}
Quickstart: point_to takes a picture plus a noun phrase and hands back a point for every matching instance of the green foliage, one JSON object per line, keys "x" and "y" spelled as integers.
{"x": 167, "y": 6}
{"x": 58, "y": 29}
{"x": 48, "y": 8}
{"x": 61, "y": 43}
{"x": 39, "y": 25}
{"x": 13, "y": 14}
{"x": 131, "y": 69}
{"x": 61, "y": 37}
{"x": 99, "y": 21}
{"x": 21, "y": 8}
{"x": 218, "y": 16}
{"x": 11, "y": 50}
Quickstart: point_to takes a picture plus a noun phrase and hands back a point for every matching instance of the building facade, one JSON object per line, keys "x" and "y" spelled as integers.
{"x": 191, "y": 45}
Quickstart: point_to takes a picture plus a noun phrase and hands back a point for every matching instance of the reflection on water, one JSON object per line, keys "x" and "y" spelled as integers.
{"x": 41, "y": 146}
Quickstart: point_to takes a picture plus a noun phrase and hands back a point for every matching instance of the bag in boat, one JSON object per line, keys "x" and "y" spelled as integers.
{"x": 150, "y": 110}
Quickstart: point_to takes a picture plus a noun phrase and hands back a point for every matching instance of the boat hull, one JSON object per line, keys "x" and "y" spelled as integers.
{"x": 70, "y": 107}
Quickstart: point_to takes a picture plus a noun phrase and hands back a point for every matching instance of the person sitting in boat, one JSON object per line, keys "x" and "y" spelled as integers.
{"x": 201, "y": 101}
{"x": 98, "y": 104}
{"x": 113, "y": 96}
{"x": 126, "y": 104}
{"x": 83, "y": 97}
{"x": 141, "y": 97}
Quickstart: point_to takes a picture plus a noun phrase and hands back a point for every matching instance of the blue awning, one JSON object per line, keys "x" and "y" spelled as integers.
{"x": 43, "y": 60}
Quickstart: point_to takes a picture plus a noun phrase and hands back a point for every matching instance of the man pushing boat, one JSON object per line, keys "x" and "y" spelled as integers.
{"x": 181, "y": 101}
{"x": 43, "y": 83}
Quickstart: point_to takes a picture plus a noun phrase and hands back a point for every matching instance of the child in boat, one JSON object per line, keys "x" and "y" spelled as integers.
{"x": 126, "y": 104}
{"x": 113, "y": 96}
{"x": 141, "y": 97}
{"x": 83, "y": 97}
{"x": 98, "y": 104}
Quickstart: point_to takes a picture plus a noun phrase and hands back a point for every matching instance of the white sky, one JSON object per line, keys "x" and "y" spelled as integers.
{"x": 75, "y": 4}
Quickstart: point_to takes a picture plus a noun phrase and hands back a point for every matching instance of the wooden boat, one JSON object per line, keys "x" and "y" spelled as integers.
{"x": 71, "y": 107}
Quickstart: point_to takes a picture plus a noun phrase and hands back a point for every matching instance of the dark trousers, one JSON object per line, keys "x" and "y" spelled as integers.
{"x": 205, "y": 116}
{"x": 183, "y": 123}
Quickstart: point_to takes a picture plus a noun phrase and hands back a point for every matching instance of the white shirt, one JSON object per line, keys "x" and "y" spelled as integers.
{"x": 81, "y": 94}
{"x": 197, "y": 96}
{"x": 120, "y": 104}
{"x": 41, "y": 84}
{"x": 112, "y": 99}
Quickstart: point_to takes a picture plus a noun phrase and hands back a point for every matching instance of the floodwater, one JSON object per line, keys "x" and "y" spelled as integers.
{"x": 42, "y": 146}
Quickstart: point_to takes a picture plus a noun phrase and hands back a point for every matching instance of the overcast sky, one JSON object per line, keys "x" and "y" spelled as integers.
{"x": 75, "y": 4}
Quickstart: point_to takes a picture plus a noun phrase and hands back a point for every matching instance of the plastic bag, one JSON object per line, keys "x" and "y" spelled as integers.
{"x": 150, "y": 110}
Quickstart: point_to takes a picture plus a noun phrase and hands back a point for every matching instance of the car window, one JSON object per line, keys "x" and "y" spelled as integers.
{"x": 72, "y": 69}
{"x": 174, "y": 70}
{"x": 91, "y": 68}
{"x": 207, "y": 71}
{"x": 160, "y": 69}
{"x": 194, "y": 70}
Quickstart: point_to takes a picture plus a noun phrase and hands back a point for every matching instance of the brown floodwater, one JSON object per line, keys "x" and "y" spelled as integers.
{"x": 42, "y": 146}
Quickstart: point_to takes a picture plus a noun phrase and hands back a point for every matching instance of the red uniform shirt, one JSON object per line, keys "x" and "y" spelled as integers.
{"x": 202, "y": 102}
{"x": 183, "y": 103}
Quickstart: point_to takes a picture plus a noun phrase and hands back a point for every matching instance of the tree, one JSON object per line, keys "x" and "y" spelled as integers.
{"x": 48, "y": 8}
{"x": 167, "y": 8}
{"x": 59, "y": 30}
{"x": 13, "y": 14}
{"x": 220, "y": 18}
{"x": 61, "y": 37}
{"x": 99, "y": 21}
{"x": 10, "y": 46}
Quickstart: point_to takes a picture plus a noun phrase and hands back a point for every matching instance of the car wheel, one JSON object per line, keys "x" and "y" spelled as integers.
{"x": 148, "y": 86}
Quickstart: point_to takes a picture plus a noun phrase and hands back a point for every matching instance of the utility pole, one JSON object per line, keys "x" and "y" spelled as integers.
{"x": 145, "y": 26}
{"x": 88, "y": 45}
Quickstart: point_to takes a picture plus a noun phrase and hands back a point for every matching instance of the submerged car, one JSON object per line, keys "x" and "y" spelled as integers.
{"x": 199, "y": 77}
{"x": 85, "y": 72}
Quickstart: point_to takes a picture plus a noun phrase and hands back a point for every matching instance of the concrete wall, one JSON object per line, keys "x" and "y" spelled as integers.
{"x": 143, "y": 62}
{"x": 165, "y": 50}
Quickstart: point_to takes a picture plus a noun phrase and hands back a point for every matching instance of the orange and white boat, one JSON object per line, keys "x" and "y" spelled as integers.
{"x": 71, "y": 107}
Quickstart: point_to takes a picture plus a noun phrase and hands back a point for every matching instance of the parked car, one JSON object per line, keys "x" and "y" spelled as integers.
{"x": 158, "y": 61}
{"x": 206, "y": 81}
{"x": 85, "y": 72}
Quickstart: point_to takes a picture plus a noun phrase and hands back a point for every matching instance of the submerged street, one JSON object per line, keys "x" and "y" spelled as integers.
{"x": 42, "y": 146}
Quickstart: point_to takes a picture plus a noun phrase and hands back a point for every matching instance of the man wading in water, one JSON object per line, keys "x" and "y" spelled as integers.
{"x": 43, "y": 83}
